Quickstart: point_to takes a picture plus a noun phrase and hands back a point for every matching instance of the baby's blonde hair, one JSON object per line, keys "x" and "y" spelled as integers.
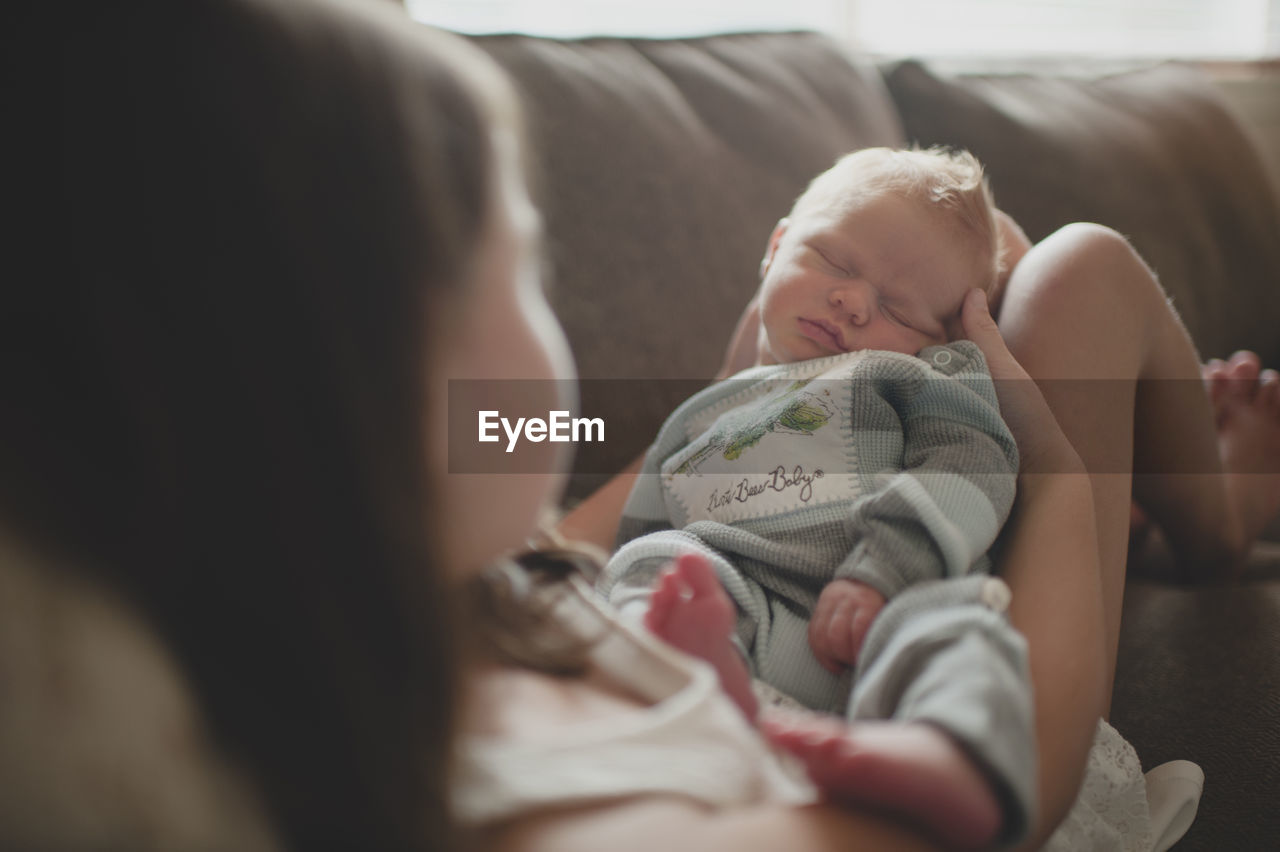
{"x": 951, "y": 181}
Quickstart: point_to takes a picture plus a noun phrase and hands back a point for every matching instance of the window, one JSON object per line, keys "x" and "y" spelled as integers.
{"x": 1205, "y": 29}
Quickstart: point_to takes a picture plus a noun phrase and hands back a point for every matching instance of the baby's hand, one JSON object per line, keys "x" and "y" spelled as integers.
{"x": 840, "y": 621}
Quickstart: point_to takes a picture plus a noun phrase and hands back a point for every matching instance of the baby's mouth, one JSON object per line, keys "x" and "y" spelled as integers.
{"x": 824, "y": 333}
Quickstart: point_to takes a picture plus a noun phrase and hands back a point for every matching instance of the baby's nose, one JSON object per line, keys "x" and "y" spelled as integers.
{"x": 853, "y": 299}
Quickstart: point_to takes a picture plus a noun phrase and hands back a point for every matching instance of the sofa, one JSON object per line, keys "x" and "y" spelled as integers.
{"x": 662, "y": 165}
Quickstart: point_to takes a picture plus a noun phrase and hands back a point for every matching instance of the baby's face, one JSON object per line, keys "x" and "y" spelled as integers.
{"x": 879, "y": 273}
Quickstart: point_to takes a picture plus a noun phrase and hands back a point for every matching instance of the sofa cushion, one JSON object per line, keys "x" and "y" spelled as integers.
{"x": 1198, "y": 678}
{"x": 661, "y": 167}
{"x": 1155, "y": 154}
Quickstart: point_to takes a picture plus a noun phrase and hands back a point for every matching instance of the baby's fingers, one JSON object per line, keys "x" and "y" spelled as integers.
{"x": 820, "y": 642}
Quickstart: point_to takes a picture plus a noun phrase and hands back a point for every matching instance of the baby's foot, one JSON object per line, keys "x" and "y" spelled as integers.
{"x": 691, "y": 611}
{"x": 913, "y": 771}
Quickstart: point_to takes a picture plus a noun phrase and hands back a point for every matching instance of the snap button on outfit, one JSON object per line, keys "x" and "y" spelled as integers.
{"x": 996, "y": 594}
{"x": 942, "y": 358}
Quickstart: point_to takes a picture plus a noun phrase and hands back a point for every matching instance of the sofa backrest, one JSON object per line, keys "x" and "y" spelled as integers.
{"x": 1155, "y": 153}
{"x": 661, "y": 167}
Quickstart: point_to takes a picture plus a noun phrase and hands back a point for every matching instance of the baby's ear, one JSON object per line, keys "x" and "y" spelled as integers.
{"x": 772, "y": 249}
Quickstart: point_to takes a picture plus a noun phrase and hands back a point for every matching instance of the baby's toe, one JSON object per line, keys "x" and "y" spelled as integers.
{"x": 666, "y": 593}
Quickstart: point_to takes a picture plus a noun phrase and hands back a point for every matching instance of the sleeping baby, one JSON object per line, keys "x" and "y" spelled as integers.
{"x": 818, "y": 527}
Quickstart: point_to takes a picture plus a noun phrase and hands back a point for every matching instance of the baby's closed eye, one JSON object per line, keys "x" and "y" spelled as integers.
{"x": 895, "y": 315}
{"x": 840, "y": 267}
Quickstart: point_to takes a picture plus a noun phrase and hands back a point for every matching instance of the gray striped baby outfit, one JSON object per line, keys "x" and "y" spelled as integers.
{"x": 891, "y": 469}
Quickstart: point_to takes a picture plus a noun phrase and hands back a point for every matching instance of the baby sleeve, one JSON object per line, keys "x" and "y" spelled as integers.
{"x": 937, "y": 513}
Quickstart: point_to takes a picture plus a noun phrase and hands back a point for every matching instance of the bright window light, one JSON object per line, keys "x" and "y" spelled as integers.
{"x": 1127, "y": 28}
{"x": 655, "y": 18}
{"x": 1192, "y": 29}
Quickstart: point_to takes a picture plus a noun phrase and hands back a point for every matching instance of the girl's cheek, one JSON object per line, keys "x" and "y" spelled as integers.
{"x": 495, "y": 494}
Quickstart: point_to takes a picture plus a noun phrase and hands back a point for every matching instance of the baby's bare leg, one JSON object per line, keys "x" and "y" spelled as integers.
{"x": 911, "y": 770}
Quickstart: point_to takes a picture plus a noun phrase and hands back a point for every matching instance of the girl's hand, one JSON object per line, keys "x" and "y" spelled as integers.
{"x": 1016, "y": 245}
{"x": 1041, "y": 443}
{"x": 745, "y": 343}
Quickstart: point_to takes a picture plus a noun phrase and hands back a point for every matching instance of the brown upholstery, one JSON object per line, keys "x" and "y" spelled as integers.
{"x": 1198, "y": 678}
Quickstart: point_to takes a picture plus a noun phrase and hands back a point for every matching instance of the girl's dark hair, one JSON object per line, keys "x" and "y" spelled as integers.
{"x": 261, "y": 209}
{"x": 514, "y": 603}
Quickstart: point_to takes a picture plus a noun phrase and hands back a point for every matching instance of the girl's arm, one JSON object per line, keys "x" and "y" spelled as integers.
{"x": 675, "y": 825}
{"x": 1050, "y": 561}
{"x": 595, "y": 519}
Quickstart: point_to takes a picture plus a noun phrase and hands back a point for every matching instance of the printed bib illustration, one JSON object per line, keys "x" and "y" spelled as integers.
{"x": 783, "y": 449}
